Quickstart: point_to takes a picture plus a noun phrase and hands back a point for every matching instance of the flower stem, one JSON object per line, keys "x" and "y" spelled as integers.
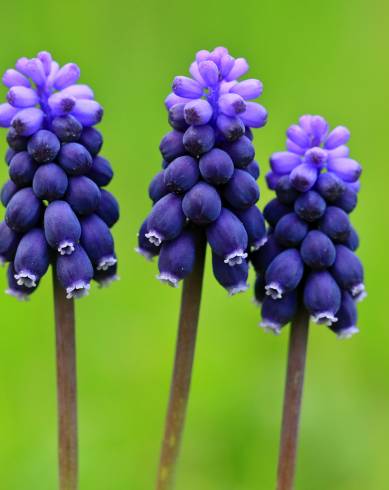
{"x": 182, "y": 372}
{"x": 67, "y": 388}
{"x": 292, "y": 400}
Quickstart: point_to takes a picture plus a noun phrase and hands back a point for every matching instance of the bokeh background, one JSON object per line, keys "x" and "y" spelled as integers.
{"x": 327, "y": 58}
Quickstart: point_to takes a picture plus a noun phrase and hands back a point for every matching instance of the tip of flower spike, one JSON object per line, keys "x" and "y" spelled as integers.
{"x": 106, "y": 262}
{"x": 107, "y": 281}
{"x": 347, "y": 333}
{"x": 78, "y": 290}
{"x": 25, "y": 278}
{"x": 274, "y": 290}
{"x": 270, "y": 327}
{"x": 145, "y": 253}
{"x": 235, "y": 258}
{"x": 19, "y": 295}
{"x": 154, "y": 237}
{"x": 359, "y": 292}
{"x": 66, "y": 248}
{"x": 260, "y": 243}
{"x": 239, "y": 288}
{"x": 324, "y": 318}
{"x": 169, "y": 279}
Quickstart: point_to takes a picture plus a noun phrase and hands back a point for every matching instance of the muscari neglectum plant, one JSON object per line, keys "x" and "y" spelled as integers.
{"x": 205, "y": 192}
{"x": 57, "y": 212}
{"x": 308, "y": 267}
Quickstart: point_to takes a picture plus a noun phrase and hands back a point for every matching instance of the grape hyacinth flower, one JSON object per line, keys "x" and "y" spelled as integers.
{"x": 308, "y": 267}
{"x": 206, "y": 191}
{"x": 57, "y": 212}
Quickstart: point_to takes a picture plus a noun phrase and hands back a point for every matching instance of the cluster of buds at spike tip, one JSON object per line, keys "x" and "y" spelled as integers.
{"x": 207, "y": 184}
{"x": 56, "y": 210}
{"x": 309, "y": 256}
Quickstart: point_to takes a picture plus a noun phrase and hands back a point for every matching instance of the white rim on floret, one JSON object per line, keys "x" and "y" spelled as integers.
{"x": 238, "y": 288}
{"x": 274, "y": 290}
{"x": 169, "y": 279}
{"x": 154, "y": 237}
{"x": 106, "y": 262}
{"x": 359, "y": 292}
{"x": 78, "y": 289}
{"x": 260, "y": 243}
{"x": 19, "y": 295}
{"x": 347, "y": 333}
{"x": 324, "y": 318}
{"x": 25, "y": 278}
{"x": 235, "y": 258}
{"x": 66, "y": 247}
{"x": 270, "y": 327}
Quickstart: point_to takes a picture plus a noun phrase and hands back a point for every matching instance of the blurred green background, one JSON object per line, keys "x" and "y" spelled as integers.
{"x": 327, "y": 58}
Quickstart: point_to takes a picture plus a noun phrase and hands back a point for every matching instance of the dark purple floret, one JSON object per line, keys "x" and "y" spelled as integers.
{"x": 233, "y": 279}
{"x": 9, "y": 241}
{"x": 241, "y": 191}
{"x": 75, "y": 272}
{"x": 322, "y": 297}
{"x": 97, "y": 241}
{"x": 92, "y": 139}
{"x": 317, "y": 250}
{"x": 278, "y": 312}
{"x": 290, "y": 230}
{"x": 228, "y": 238}
{"x": 15, "y": 141}
{"x": 199, "y": 139}
{"x": 216, "y": 167}
{"x": 22, "y": 169}
{"x": 348, "y": 272}
{"x": 83, "y": 195}
{"x": 254, "y": 224}
{"x": 284, "y": 273}
{"x": 253, "y": 169}
{"x": 310, "y": 206}
{"x": 62, "y": 228}
{"x": 157, "y": 187}
{"x": 241, "y": 151}
{"x": 7, "y": 191}
{"x": 14, "y": 289}
{"x": 177, "y": 117}
{"x": 24, "y": 210}
{"x": 75, "y": 159}
{"x": 285, "y": 191}
{"x": 172, "y": 146}
{"x": 182, "y": 174}
{"x": 202, "y": 204}
{"x": 353, "y": 240}
{"x": 347, "y": 201}
{"x": 108, "y": 209}
{"x": 9, "y": 154}
{"x": 330, "y": 186}
{"x": 50, "y": 182}
{"x": 43, "y": 146}
{"x": 259, "y": 290}
{"x": 67, "y": 128}
{"x": 101, "y": 171}
{"x": 335, "y": 224}
{"x": 231, "y": 127}
{"x": 166, "y": 220}
{"x": 177, "y": 258}
{"x": 145, "y": 247}
{"x": 262, "y": 258}
{"x": 32, "y": 258}
{"x": 346, "y": 327}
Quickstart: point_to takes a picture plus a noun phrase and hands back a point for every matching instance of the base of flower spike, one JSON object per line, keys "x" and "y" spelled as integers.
{"x": 66, "y": 248}
{"x": 359, "y": 292}
{"x": 259, "y": 244}
{"x": 19, "y": 295}
{"x": 347, "y": 333}
{"x": 105, "y": 263}
{"x": 235, "y": 258}
{"x": 270, "y": 327}
{"x": 146, "y": 254}
{"x": 25, "y": 278}
{"x": 169, "y": 279}
{"x": 324, "y": 318}
{"x": 78, "y": 290}
{"x": 274, "y": 290}
{"x": 154, "y": 237}
{"x": 239, "y": 288}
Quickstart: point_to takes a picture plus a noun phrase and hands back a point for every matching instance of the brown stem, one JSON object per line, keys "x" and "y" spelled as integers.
{"x": 67, "y": 388}
{"x": 292, "y": 401}
{"x": 182, "y": 372}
